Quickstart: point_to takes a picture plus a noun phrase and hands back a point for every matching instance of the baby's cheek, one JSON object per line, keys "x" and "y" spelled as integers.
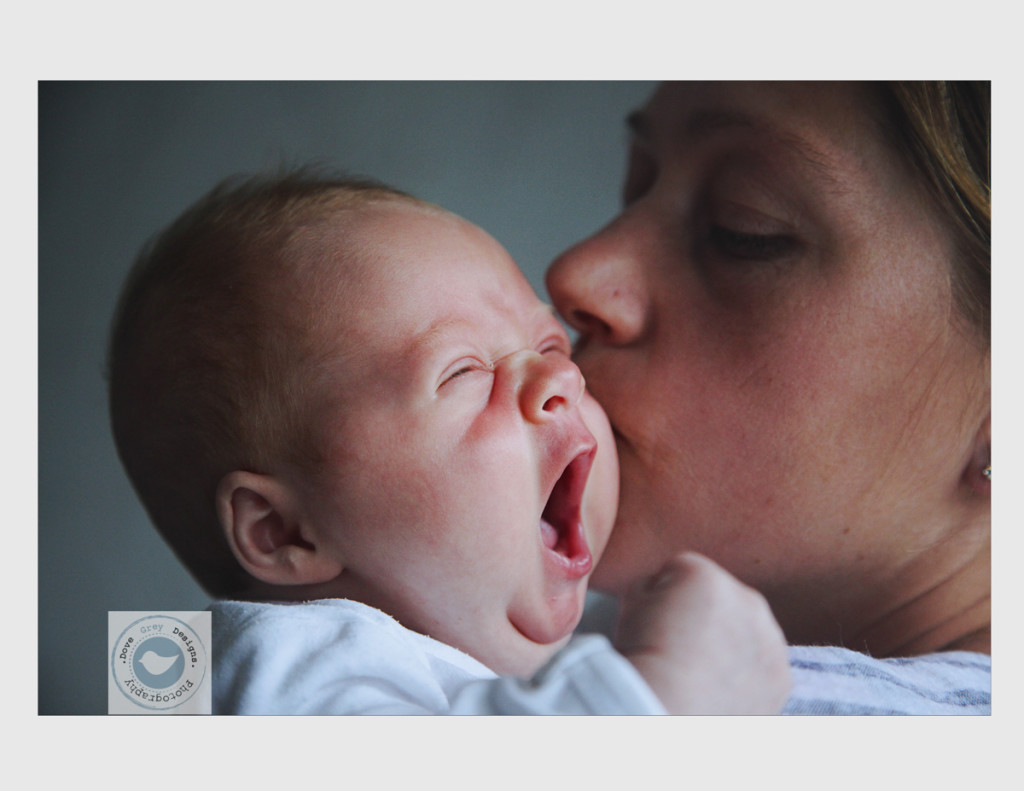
{"x": 601, "y": 497}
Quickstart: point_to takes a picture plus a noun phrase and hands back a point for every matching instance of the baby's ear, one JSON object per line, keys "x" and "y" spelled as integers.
{"x": 265, "y": 530}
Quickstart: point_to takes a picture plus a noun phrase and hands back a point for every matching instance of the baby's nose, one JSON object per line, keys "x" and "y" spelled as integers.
{"x": 552, "y": 383}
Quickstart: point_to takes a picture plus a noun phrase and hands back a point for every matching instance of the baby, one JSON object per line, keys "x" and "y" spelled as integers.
{"x": 350, "y": 416}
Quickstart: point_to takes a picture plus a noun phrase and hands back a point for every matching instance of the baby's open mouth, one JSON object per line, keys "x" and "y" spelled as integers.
{"x": 561, "y": 522}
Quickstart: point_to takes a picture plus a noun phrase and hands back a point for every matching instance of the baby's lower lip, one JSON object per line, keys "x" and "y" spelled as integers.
{"x": 574, "y": 568}
{"x": 575, "y": 565}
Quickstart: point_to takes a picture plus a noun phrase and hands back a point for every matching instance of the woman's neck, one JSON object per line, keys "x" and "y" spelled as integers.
{"x": 942, "y": 602}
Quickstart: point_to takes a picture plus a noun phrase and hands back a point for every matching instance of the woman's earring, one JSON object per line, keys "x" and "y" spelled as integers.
{"x": 987, "y": 472}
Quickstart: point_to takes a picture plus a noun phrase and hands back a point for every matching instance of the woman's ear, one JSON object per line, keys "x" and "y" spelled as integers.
{"x": 266, "y": 533}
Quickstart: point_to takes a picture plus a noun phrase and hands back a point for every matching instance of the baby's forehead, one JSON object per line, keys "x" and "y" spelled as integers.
{"x": 353, "y": 232}
{"x": 396, "y": 236}
{"x": 404, "y": 255}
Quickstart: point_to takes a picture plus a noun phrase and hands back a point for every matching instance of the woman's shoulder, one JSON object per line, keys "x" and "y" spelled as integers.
{"x": 834, "y": 680}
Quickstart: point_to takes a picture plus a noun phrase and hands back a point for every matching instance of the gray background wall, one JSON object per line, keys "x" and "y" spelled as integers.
{"x": 537, "y": 164}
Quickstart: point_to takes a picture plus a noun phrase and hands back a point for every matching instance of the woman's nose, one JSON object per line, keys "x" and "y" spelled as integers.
{"x": 599, "y": 286}
{"x": 551, "y": 384}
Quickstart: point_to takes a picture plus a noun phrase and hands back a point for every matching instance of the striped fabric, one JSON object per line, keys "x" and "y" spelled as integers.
{"x": 831, "y": 680}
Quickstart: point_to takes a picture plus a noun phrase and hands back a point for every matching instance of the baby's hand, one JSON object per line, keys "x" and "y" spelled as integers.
{"x": 704, "y": 642}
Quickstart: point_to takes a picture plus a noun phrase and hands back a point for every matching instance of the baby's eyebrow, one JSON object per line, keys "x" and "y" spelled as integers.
{"x": 429, "y": 340}
{"x": 549, "y": 312}
{"x": 432, "y": 336}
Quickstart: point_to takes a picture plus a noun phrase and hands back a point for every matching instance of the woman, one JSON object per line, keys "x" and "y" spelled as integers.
{"x": 788, "y": 325}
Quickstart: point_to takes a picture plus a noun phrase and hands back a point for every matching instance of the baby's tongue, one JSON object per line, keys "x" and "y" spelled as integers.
{"x": 548, "y": 534}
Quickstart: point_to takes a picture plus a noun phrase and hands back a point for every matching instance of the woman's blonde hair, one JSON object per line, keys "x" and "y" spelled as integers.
{"x": 944, "y": 130}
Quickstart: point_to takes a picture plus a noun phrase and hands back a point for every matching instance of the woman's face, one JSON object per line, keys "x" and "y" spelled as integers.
{"x": 768, "y": 325}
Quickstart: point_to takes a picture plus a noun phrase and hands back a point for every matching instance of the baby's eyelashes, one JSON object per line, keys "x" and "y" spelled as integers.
{"x": 462, "y": 368}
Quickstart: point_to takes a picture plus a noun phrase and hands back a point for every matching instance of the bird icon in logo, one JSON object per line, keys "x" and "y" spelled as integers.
{"x": 156, "y": 664}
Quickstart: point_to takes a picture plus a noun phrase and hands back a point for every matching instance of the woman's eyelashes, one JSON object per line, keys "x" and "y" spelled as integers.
{"x": 744, "y": 246}
{"x": 721, "y": 239}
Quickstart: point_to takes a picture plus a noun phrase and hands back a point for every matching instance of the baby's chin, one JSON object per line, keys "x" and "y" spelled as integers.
{"x": 536, "y": 637}
{"x": 525, "y": 658}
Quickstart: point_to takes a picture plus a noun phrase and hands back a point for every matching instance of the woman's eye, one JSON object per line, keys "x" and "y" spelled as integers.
{"x": 750, "y": 246}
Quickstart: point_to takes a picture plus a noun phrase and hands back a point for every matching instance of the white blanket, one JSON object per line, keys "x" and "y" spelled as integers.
{"x": 334, "y": 656}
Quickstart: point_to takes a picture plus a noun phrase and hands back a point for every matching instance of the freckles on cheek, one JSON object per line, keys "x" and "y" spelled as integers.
{"x": 762, "y": 403}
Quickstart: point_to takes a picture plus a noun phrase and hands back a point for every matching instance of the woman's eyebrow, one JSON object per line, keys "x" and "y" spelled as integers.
{"x": 705, "y": 122}
{"x": 698, "y": 125}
